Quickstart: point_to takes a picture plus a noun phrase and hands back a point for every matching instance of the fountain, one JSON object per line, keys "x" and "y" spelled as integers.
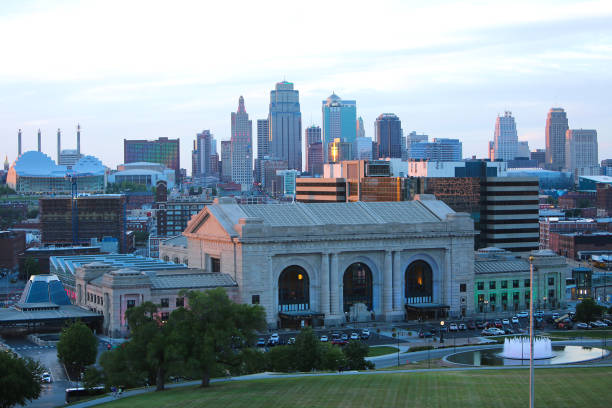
{"x": 517, "y": 348}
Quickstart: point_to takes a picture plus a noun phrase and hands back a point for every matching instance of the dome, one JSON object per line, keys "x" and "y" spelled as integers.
{"x": 333, "y": 98}
{"x": 88, "y": 165}
{"x": 34, "y": 163}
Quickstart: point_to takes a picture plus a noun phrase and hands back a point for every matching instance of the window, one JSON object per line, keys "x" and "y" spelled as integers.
{"x": 551, "y": 294}
{"x": 480, "y": 285}
{"x": 515, "y": 297}
{"x": 165, "y": 302}
{"x": 527, "y": 296}
{"x": 462, "y": 287}
{"x": 215, "y": 265}
{"x": 131, "y": 303}
{"x": 491, "y": 284}
{"x": 165, "y": 316}
{"x": 551, "y": 281}
{"x": 527, "y": 283}
{"x": 515, "y": 283}
{"x": 255, "y": 299}
{"x": 492, "y": 298}
{"x": 504, "y": 284}
{"x": 180, "y": 302}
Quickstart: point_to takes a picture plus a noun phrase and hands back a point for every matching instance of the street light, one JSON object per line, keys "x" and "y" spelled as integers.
{"x": 441, "y": 332}
{"x": 486, "y": 303}
{"x": 544, "y": 299}
{"x": 531, "y": 383}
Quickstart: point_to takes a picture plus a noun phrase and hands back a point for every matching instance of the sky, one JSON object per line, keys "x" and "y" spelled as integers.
{"x": 148, "y": 69}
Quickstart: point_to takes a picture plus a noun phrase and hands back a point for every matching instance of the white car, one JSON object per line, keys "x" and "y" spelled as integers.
{"x": 515, "y": 320}
{"x": 324, "y": 339}
{"x": 274, "y": 338}
{"x": 354, "y": 336}
{"x": 506, "y": 322}
{"x": 522, "y": 314}
{"x": 45, "y": 377}
{"x": 453, "y": 327}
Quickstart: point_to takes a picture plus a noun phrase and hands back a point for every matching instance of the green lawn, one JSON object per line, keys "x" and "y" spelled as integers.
{"x": 381, "y": 351}
{"x": 557, "y": 387}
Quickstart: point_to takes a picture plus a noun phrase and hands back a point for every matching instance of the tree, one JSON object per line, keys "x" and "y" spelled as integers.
{"x": 308, "y": 350}
{"x": 151, "y": 342}
{"x": 20, "y": 380}
{"x": 123, "y": 367}
{"x": 355, "y": 353}
{"x": 92, "y": 377}
{"x": 33, "y": 213}
{"x": 31, "y": 267}
{"x": 281, "y": 359}
{"x": 588, "y": 310}
{"x": 77, "y": 347}
{"x": 208, "y": 333}
{"x": 332, "y": 357}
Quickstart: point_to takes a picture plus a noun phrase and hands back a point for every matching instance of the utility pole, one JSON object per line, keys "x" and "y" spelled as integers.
{"x": 531, "y": 384}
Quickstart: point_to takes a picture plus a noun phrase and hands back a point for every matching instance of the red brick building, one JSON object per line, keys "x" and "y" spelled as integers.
{"x": 604, "y": 197}
{"x": 571, "y": 244}
{"x": 11, "y": 243}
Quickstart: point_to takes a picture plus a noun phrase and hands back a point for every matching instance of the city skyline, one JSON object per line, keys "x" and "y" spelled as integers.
{"x": 116, "y": 91}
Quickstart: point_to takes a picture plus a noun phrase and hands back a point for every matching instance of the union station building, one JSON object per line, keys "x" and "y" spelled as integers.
{"x": 314, "y": 264}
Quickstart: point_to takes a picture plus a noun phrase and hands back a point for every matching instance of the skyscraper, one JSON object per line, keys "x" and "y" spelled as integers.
{"x": 202, "y": 153}
{"x": 506, "y": 138}
{"x": 360, "y": 128}
{"x": 339, "y": 121}
{"x": 263, "y": 146}
{"x": 437, "y": 150}
{"x": 242, "y": 147}
{"x": 313, "y": 135}
{"x": 163, "y": 150}
{"x": 581, "y": 151}
{"x": 285, "y": 122}
{"x": 556, "y": 128}
{"x": 388, "y": 135}
{"x": 226, "y": 160}
{"x": 314, "y": 152}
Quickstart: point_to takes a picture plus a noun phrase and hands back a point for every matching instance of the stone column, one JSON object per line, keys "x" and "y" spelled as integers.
{"x": 398, "y": 304}
{"x": 334, "y": 286}
{"x": 324, "y": 294}
{"x": 388, "y": 284}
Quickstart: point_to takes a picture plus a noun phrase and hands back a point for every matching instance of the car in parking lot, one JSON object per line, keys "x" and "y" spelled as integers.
{"x": 365, "y": 334}
{"x": 453, "y": 327}
{"x": 492, "y": 331}
{"x": 507, "y": 330}
{"x": 607, "y": 321}
{"x": 274, "y": 339}
{"x": 45, "y": 377}
{"x": 471, "y": 325}
{"x": 425, "y": 334}
{"x": 581, "y": 326}
{"x": 522, "y": 314}
{"x": 539, "y": 314}
{"x": 598, "y": 324}
{"x": 462, "y": 326}
{"x": 261, "y": 342}
{"x": 291, "y": 341}
{"x": 354, "y": 336}
{"x": 505, "y": 322}
{"x": 344, "y": 336}
{"x": 515, "y": 319}
{"x": 480, "y": 325}
{"x": 324, "y": 338}
{"x": 498, "y": 323}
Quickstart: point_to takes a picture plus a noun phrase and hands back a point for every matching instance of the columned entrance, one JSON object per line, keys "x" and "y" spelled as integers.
{"x": 357, "y": 286}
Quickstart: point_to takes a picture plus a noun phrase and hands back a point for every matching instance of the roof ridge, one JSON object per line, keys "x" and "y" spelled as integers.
{"x": 366, "y": 207}
{"x": 306, "y": 210}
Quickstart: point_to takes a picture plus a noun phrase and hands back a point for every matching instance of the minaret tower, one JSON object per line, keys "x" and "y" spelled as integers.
{"x": 79, "y": 140}
{"x": 59, "y": 145}
{"x": 19, "y": 143}
{"x": 39, "y": 149}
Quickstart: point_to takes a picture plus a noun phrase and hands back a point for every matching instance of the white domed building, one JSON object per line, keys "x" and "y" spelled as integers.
{"x": 36, "y": 173}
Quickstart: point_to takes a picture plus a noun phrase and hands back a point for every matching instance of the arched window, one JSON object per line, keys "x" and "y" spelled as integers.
{"x": 293, "y": 289}
{"x": 186, "y": 261}
{"x": 166, "y": 258}
{"x": 176, "y": 260}
{"x": 357, "y": 286}
{"x": 419, "y": 283}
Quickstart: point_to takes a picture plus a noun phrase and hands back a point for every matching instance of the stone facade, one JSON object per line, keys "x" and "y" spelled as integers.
{"x": 256, "y": 244}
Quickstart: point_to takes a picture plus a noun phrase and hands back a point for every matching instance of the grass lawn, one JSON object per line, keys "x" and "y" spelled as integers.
{"x": 381, "y": 351}
{"x": 557, "y": 387}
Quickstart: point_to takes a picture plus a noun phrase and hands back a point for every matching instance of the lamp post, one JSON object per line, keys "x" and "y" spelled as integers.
{"x": 486, "y": 304}
{"x": 441, "y": 332}
{"x": 544, "y": 299}
{"x": 531, "y": 383}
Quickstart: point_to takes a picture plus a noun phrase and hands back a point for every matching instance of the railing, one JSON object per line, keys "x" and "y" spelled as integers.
{"x": 295, "y": 307}
{"x": 419, "y": 299}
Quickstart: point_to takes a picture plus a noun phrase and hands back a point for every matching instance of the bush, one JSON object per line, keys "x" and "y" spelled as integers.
{"x": 356, "y": 352}
{"x": 420, "y": 348}
{"x": 281, "y": 358}
{"x": 332, "y": 358}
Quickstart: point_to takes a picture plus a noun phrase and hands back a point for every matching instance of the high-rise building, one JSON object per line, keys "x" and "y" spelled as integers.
{"x": 263, "y": 146}
{"x": 506, "y": 138}
{"x": 339, "y": 121}
{"x": 581, "y": 152}
{"x": 437, "y": 150}
{"x": 388, "y": 128}
{"x": 522, "y": 149}
{"x": 313, "y": 134}
{"x": 242, "y": 147}
{"x": 338, "y": 151}
{"x": 285, "y": 122}
{"x": 364, "y": 148}
{"x": 226, "y": 160}
{"x": 163, "y": 150}
{"x": 556, "y": 127}
{"x": 360, "y": 128}
{"x": 202, "y": 152}
{"x": 539, "y": 156}
{"x": 314, "y": 149}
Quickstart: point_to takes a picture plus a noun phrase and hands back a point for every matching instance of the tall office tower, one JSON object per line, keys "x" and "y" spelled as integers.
{"x": 195, "y": 162}
{"x": 491, "y": 150}
{"x": 312, "y": 136}
{"x": 285, "y": 122}
{"x": 437, "y": 150}
{"x": 364, "y": 148}
{"x": 506, "y": 138}
{"x": 522, "y": 149}
{"x": 163, "y": 150}
{"x": 388, "y": 135}
{"x": 19, "y": 143}
{"x": 556, "y": 127}
{"x": 78, "y": 139}
{"x": 59, "y": 145}
{"x": 226, "y": 160}
{"x": 338, "y": 151}
{"x": 263, "y": 146}
{"x": 39, "y": 141}
{"x": 213, "y": 145}
{"x": 202, "y": 151}
{"x": 539, "y": 155}
{"x": 412, "y": 137}
{"x": 581, "y": 151}
{"x": 360, "y": 128}
{"x": 242, "y": 147}
{"x": 339, "y": 121}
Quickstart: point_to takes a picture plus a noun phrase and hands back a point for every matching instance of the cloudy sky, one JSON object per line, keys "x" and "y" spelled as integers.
{"x": 145, "y": 69}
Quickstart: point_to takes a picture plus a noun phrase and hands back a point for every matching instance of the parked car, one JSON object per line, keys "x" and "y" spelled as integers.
{"x": 291, "y": 341}
{"x": 480, "y": 325}
{"x": 365, "y": 334}
{"x": 598, "y": 324}
{"x": 453, "y": 327}
{"x": 274, "y": 339}
{"x": 507, "y": 330}
{"x": 462, "y": 326}
{"x": 324, "y": 339}
{"x": 498, "y": 323}
{"x": 538, "y": 313}
{"x": 45, "y": 377}
{"x": 425, "y": 334}
{"x": 506, "y": 322}
{"x": 515, "y": 319}
{"x": 581, "y": 326}
{"x": 354, "y": 336}
{"x": 344, "y": 336}
{"x": 261, "y": 342}
{"x": 339, "y": 341}
{"x": 471, "y": 325}
{"x": 607, "y": 321}
{"x": 522, "y": 314}
{"x": 491, "y": 331}
{"x": 497, "y": 332}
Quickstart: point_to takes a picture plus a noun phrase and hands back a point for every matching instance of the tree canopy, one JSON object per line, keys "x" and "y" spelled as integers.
{"x": 77, "y": 347}
{"x": 588, "y": 310}
{"x": 20, "y": 380}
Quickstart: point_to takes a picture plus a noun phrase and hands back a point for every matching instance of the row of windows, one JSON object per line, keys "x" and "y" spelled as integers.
{"x": 94, "y": 298}
{"x": 515, "y": 297}
{"x": 515, "y": 283}
{"x": 179, "y": 301}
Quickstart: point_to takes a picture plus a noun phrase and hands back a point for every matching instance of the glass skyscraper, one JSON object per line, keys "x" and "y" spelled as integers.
{"x": 388, "y": 128}
{"x": 556, "y": 128}
{"x": 285, "y": 125}
{"x": 506, "y": 138}
{"x": 163, "y": 150}
{"x": 339, "y": 121}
